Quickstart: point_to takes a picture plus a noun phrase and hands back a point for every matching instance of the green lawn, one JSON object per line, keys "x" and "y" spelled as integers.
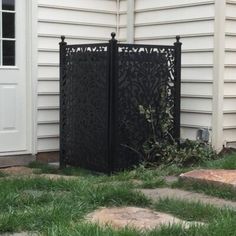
{"x": 58, "y": 207}
{"x": 227, "y": 162}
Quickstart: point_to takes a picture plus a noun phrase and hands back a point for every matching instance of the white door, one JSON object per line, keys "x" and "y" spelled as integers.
{"x": 13, "y": 103}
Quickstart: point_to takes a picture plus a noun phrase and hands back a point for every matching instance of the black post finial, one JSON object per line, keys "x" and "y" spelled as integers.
{"x": 177, "y": 38}
{"x": 113, "y": 35}
{"x": 63, "y": 38}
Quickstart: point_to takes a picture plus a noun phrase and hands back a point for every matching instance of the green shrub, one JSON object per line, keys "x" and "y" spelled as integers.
{"x": 189, "y": 153}
{"x": 186, "y": 153}
{"x": 167, "y": 150}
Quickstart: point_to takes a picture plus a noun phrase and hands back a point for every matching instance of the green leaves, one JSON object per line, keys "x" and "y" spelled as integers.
{"x": 161, "y": 148}
{"x": 141, "y": 109}
{"x": 148, "y": 112}
{"x": 188, "y": 153}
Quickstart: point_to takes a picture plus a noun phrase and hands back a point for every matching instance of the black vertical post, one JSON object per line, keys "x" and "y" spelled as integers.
{"x": 62, "y": 45}
{"x": 111, "y": 112}
{"x": 177, "y": 88}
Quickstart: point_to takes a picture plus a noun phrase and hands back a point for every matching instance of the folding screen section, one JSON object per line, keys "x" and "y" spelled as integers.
{"x": 103, "y": 88}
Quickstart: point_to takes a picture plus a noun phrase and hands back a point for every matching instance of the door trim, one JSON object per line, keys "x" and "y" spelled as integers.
{"x": 31, "y": 79}
{"x": 32, "y": 70}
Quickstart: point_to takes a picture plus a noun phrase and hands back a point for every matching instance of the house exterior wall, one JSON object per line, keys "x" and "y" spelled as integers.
{"x": 229, "y": 104}
{"x": 154, "y": 22}
{"x": 158, "y": 22}
{"x": 123, "y": 18}
{"x": 84, "y": 21}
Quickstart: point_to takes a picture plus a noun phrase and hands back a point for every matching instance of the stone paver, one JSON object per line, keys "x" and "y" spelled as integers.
{"x": 40, "y": 193}
{"x": 20, "y": 234}
{"x": 139, "y": 218}
{"x": 171, "y": 179}
{"x": 216, "y": 177}
{"x": 18, "y": 170}
{"x": 136, "y": 181}
{"x": 160, "y": 193}
{"x": 56, "y": 177}
{"x": 34, "y": 193}
{"x": 21, "y": 171}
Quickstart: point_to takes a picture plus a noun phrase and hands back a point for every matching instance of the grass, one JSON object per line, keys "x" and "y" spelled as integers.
{"x": 47, "y": 169}
{"x": 192, "y": 211}
{"x": 223, "y": 222}
{"x": 59, "y": 207}
{"x": 2, "y": 174}
{"x": 150, "y": 177}
{"x": 62, "y": 205}
{"x": 227, "y": 162}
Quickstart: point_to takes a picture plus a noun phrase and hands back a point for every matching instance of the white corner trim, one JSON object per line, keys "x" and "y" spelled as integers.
{"x": 218, "y": 75}
{"x": 32, "y": 58}
{"x": 117, "y": 19}
{"x": 130, "y": 21}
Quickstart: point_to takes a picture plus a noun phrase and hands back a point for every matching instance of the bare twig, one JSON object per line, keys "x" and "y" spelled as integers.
{"x": 132, "y": 149}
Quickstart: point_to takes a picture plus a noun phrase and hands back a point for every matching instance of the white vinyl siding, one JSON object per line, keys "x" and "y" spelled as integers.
{"x": 229, "y": 104}
{"x": 155, "y": 22}
{"x": 122, "y": 21}
{"x": 83, "y": 21}
{"x": 158, "y": 22}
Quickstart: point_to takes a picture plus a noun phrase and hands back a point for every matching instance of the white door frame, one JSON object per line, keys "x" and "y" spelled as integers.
{"x": 32, "y": 71}
{"x": 31, "y": 79}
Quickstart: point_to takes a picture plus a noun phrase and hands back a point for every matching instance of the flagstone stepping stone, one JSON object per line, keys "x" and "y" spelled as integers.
{"x": 58, "y": 177}
{"x": 18, "y": 170}
{"x": 135, "y": 217}
{"x": 136, "y": 181}
{"x": 21, "y": 171}
{"x": 20, "y": 234}
{"x": 40, "y": 193}
{"x": 171, "y": 179}
{"x": 215, "y": 177}
{"x": 162, "y": 193}
{"x": 34, "y": 193}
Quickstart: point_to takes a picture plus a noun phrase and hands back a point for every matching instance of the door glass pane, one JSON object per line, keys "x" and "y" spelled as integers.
{"x": 8, "y": 53}
{"x": 8, "y": 25}
{"x": 8, "y": 5}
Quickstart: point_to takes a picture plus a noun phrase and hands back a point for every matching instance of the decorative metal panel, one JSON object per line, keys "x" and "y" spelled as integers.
{"x": 145, "y": 78}
{"x": 86, "y": 106}
{"x": 102, "y": 88}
